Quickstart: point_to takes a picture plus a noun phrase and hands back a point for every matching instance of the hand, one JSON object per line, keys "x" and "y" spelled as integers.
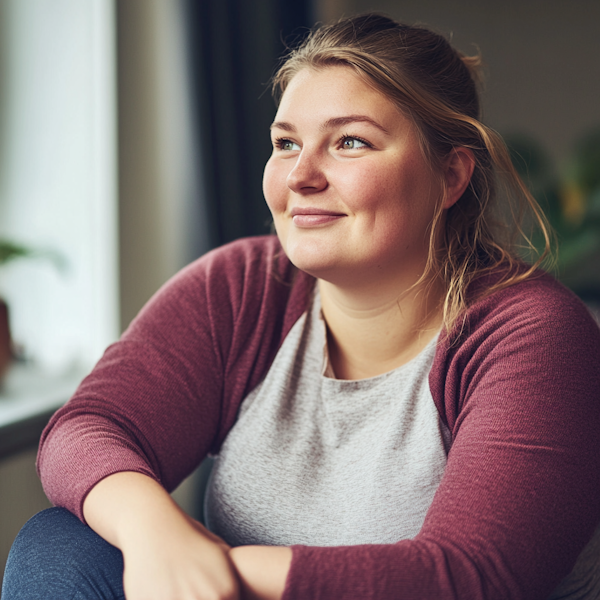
{"x": 167, "y": 555}
{"x": 209, "y": 534}
{"x": 181, "y": 564}
{"x": 262, "y": 570}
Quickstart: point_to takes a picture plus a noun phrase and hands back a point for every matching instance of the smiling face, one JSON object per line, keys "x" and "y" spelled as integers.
{"x": 350, "y": 192}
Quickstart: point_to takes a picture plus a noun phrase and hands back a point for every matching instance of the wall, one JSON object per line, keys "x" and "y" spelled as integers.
{"x": 542, "y": 56}
{"x": 162, "y": 227}
{"x": 21, "y": 497}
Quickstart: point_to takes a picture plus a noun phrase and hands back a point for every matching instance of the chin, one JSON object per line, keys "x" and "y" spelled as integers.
{"x": 316, "y": 268}
{"x": 312, "y": 250}
{"x": 331, "y": 269}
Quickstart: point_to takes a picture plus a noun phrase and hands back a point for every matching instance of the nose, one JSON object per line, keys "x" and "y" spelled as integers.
{"x": 307, "y": 176}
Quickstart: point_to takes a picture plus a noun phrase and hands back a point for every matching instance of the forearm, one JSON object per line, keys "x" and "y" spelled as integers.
{"x": 167, "y": 555}
{"x": 123, "y": 506}
{"x": 262, "y": 570}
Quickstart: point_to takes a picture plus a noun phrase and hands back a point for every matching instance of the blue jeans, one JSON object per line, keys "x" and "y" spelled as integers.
{"x": 56, "y": 557}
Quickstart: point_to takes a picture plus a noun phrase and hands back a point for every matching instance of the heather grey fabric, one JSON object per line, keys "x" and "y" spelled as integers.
{"x": 319, "y": 461}
{"x": 583, "y": 583}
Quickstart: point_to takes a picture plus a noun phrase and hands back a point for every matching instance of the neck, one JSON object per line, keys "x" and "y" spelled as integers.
{"x": 375, "y": 329}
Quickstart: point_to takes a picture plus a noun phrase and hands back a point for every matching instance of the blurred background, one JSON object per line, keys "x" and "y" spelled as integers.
{"x": 133, "y": 134}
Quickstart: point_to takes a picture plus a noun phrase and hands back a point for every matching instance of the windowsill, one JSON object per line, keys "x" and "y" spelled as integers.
{"x": 28, "y": 398}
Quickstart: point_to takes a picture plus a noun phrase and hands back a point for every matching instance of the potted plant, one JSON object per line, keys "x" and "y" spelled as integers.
{"x": 571, "y": 200}
{"x": 10, "y": 251}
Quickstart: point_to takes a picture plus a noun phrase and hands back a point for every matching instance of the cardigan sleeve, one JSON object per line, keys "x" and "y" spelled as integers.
{"x": 168, "y": 391}
{"x": 519, "y": 497}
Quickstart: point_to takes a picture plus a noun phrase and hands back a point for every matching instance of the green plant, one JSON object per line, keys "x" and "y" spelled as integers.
{"x": 10, "y": 251}
{"x": 571, "y": 201}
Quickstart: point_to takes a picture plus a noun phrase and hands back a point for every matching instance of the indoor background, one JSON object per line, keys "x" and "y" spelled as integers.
{"x": 133, "y": 135}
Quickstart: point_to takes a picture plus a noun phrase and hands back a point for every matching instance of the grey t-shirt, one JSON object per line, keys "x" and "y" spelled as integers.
{"x": 320, "y": 461}
{"x": 324, "y": 462}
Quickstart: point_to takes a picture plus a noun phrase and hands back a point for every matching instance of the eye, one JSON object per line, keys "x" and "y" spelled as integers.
{"x": 286, "y": 145}
{"x": 353, "y": 143}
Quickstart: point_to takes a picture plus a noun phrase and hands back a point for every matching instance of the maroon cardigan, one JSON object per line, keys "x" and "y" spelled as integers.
{"x": 520, "y": 496}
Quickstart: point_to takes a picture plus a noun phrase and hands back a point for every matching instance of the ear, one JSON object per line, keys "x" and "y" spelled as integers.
{"x": 459, "y": 169}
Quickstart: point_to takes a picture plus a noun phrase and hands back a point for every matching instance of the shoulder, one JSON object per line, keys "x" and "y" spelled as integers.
{"x": 246, "y": 276}
{"x": 539, "y": 298}
{"x": 231, "y": 264}
{"x": 532, "y": 340}
{"x": 539, "y": 308}
{"x": 234, "y": 306}
{"x": 218, "y": 324}
{"x": 252, "y": 252}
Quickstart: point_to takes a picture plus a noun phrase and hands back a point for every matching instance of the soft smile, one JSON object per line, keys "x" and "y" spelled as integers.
{"x": 312, "y": 217}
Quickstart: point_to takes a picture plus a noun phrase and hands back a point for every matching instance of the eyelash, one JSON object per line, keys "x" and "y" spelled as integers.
{"x": 280, "y": 141}
{"x": 353, "y": 137}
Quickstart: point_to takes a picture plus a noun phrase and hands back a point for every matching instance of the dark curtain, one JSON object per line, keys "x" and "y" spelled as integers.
{"x": 234, "y": 46}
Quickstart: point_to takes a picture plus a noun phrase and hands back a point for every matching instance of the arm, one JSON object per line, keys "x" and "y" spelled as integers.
{"x": 168, "y": 392}
{"x": 262, "y": 570}
{"x": 519, "y": 496}
{"x": 167, "y": 554}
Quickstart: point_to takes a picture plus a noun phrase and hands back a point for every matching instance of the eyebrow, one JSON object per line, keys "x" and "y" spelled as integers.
{"x": 333, "y": 123}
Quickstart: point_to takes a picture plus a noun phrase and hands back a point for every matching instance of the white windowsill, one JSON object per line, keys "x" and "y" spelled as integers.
{"x": 28, "y": 395}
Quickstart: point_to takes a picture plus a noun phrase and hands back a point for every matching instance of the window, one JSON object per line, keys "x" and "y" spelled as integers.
{"x": 58, "y": 176}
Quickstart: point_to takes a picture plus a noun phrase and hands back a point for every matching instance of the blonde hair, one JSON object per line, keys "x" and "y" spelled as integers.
{"x": 435, "y": 86}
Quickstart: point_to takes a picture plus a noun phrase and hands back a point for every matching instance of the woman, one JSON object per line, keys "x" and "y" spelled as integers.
{"x": 400, "y": 407}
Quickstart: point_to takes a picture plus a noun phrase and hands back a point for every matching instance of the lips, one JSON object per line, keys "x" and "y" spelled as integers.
{"x": 313, "y": 217}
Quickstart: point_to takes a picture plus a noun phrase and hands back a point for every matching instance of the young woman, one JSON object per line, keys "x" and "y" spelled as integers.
{"x": 400, "y": 407}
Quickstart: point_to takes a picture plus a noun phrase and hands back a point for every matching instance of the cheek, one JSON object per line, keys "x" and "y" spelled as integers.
{"x": 373, "y": 190}
{"x": 275, "y": 187}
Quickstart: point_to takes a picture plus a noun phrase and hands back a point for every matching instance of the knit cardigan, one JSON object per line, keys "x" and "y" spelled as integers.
{"x": 519, "y": 389}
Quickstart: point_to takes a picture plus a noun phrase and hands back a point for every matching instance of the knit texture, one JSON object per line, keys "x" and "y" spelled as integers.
{"x": 519, "y": 391}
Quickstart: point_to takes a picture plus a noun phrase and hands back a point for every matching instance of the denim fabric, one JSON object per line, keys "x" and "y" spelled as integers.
{"x": 56, "y": 557}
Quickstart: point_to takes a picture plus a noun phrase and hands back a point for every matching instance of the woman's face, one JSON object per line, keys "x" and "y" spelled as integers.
{"x": 350, "y": 192}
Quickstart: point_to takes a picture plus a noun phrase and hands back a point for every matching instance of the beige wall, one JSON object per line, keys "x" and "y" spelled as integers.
{"x": 21, "y": 496}
{"x": 543, "y": 58}
{"x": 161, "y": 224}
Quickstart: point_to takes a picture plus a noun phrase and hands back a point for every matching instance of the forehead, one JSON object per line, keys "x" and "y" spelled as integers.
{"x": 333, "y": 91}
